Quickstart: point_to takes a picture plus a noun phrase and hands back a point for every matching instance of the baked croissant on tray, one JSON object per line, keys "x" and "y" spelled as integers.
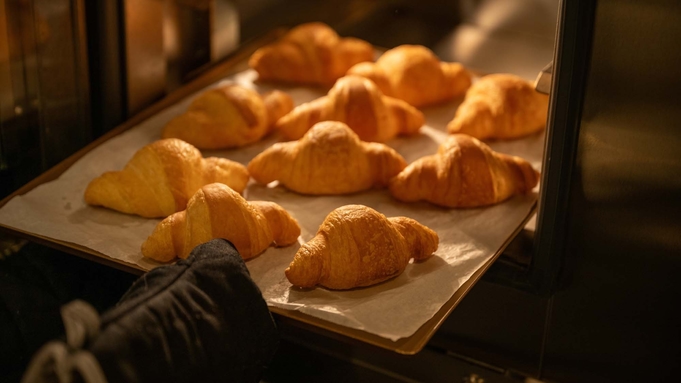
{"x": 414, "y": 74}
{"x": 357, "y": 246}
{"x": 464, "y": 173}
{"x": 228, "y": 116}
{"x": 359, "y": 103}
{"x": 329, "y": 159}
{"x": 311, "y": 53}
{"x": 160, "y": 178}
{"x": 217, "y": 211}
{"x": 501, "y": 106}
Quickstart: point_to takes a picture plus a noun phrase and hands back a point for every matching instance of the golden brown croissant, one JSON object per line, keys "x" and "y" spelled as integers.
{"x": 358, "y": 246}
{"x": 329, "y": 159}
{"x": 414, "y": 74}
{"x": 357, "y": 102}
{"x": 500, "y": 106}
{"x": 161, "y": 177}
{"x": 228, "y": 116}
{"x": 310, "y": 53}
{"x": 464, "y": 173}
{"x": 216, "y": 211}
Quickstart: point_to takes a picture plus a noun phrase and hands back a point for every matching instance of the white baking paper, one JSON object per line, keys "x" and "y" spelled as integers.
{"x": 393, "y": 309}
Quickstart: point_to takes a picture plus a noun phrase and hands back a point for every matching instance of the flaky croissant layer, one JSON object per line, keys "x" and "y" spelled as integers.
{"x": 217, "y": 211}
{"x": 228, "y": 116}
{"x": 311, "y": 53}
{"x": 358, "y": 246}
{"x": 413, "y": 73}
{"x": 160, "y": 178}
{"x": 357, "y": 102}
{"x": 330, "y": 159}
{"x": 464, "y": 173}
{"x": 501, "y": 106}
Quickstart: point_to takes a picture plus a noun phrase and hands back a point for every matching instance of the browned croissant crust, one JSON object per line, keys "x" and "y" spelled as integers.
{"x": 500, "y": 106}
{"x": 217, "y": 211}
{"x": 357, "y": 102}
{"x": 329, "y": 159}
{"x": 228, "y": 116}
{"x": 310, "y": 53}
{"x": 464, "y": 173}
{"x": 160, "y": 178}
{"x": 414, "y": 74}
{"x": 358, "y": 246}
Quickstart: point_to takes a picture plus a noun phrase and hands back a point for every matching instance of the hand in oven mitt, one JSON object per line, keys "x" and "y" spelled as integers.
{"x": 202, "y": 319}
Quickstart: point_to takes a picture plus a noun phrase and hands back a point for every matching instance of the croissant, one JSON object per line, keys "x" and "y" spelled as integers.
{"x": 310, "y": 53}
{"x": 160, "y": 178}
{"x": 358, "y": 246}
{"x": 500, "y": 106}
{"x": 329, "y": 159}
{"x": 414, "y": 74}
{"x": 228, "y": 116}
{"x": 464, "y": 173}
{"x": 359, "y": 103}
{"x": 217, "y": 211}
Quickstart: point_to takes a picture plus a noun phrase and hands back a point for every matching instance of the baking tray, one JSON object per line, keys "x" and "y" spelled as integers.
{"x": 407, "y": 345}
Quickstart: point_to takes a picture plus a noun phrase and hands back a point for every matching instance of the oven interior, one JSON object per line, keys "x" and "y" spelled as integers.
{"x": 71, "y": 70}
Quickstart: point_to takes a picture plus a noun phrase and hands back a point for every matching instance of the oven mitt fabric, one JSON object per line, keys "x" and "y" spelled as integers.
{"x": 202, "y": 319}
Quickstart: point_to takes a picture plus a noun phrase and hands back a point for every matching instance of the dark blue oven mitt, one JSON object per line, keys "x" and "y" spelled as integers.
{"x": 199, "y": 320}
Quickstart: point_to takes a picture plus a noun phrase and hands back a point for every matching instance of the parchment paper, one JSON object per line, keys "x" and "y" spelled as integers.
{"x": 393, "y": 309}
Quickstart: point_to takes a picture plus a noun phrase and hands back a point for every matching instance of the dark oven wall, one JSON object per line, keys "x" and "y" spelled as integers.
{"x": 614, "y": 315}
{"x": 44, "y": 88}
